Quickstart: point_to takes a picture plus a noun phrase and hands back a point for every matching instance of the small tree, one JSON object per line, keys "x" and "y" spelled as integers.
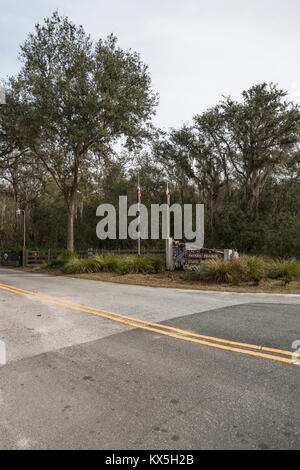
{"x": 79, "y": 98}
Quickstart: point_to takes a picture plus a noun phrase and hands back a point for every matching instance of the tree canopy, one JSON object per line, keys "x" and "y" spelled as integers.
{"x": 76, "y": 98}
{"x": 72, "y": 136}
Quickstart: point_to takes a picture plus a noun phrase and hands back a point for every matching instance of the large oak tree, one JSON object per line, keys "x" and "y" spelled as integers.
{"x": 78, "y": 98}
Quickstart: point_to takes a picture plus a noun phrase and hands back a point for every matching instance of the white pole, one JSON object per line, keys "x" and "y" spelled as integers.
{"x": 168, "y": 261}
{"x": 24, "y": 228}
{"x": 19, "y": 212}
{"x": 139, "y": 219}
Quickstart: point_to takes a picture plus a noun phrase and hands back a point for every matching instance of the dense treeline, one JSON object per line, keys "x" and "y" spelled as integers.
{"x": 76, "y": 130}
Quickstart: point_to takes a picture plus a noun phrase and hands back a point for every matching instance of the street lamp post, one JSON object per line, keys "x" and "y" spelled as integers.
{"x": 19, "y": 211}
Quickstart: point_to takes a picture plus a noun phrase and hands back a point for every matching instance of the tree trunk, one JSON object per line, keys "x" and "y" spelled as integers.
{"x": 70, "y": 230}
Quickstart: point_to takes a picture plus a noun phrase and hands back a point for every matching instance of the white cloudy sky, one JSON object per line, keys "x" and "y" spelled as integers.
{"x": 197, "y": 50}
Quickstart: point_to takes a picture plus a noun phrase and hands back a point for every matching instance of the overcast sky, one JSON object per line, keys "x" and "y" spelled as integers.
{"x": 197, "y": 50}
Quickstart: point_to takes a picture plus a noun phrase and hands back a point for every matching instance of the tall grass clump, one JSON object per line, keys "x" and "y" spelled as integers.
{"x": 82, "y": 266}
{"x": 111, "y": 263}
{"x": 249, "y": 268}
{"x": 238, "y": 270}
{"x": 64, "y": 258}
{"x": 150, "y": 264}
{"x": 234, "y": 271}
{"x": 283, "y": 269}
{"x": 257, "y": 268}
{"x": 158, "y": 262}
{"x": 143, "y": 265}
{"x": 214, "y": 270}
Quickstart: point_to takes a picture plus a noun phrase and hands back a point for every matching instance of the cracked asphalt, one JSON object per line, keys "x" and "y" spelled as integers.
{"x": 78, "y": 381}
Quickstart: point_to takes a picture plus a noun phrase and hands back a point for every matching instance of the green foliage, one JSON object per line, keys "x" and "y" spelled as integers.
{"x": 111, "y": 263}
{"x": 280, "y": 269}
{"x": 257, "y": 278}
{"x": 249, "y": 268}
{"x": 64, "y": 258}
{"x": 67, "y": 256}
{"x": 190, "y": 276}
{"x": 286, "y": 281}
{"x": 74, "y": 98}
{"x": 214, "y": 270}
{"x": 46, "y": 266}
{"x": 141, "y": 264}
{"x": 239, "y": 269}
{"x": 257, "y": 267}
{"x": 118, "y": 264}
{"x": 158, "y": 263}
{"x": 82, "y": 266}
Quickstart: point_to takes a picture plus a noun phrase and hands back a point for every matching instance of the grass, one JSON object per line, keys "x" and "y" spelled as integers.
{"x": 249, "y": 269}
{"x": 286, "y": 269}
{"x": 179, "y": 280}
{"x": 244, "y": 274}
{"x": 69, "y": 263}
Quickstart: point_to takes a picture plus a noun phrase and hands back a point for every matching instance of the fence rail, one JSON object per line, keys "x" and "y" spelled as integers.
{"x": 46, "y": 256}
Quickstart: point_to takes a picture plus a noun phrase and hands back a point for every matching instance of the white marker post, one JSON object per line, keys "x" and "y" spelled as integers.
{"x": 168, "y": 240}
{"x": 139, "y": 219}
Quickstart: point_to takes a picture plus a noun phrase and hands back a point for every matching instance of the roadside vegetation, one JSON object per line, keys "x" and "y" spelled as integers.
{"x": 248, "y": 272}
{"x": 82, "y": 100}
{"x": 70, "y": 263}
{"x": 247, "y": 269}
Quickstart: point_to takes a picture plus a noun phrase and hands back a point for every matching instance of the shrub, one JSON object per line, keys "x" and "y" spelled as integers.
{"x": 214, "y": 270}
{"x": 67, "y": 255}
{"x": 234, "y": 271}
{"x": 158, "y": 263}
{"x": 286, "y": 281}
{"x": 238, "y": 270}
{"x": 62, "y": 259}
{"x": 111, "y": 263}
{"x": 46, "y": 265}
{"x": 257, "y": 278}
{"x": 280, "y": 268}
{"x": 99, "y": 260}
{"x": 72, "y": 266}
{"x": 247, "y": 268}
{"x": 82, "y": 266}
{"x": 134, "y": 264}
{"x": 143, "y": 265}
{"x": 257, "y": 268}
{"x": 138, "y": 264}
{"x": 69, "y": 263}
{"x": 125, "y": 268}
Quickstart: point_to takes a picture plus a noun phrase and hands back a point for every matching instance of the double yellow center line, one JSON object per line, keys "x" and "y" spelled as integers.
{"x": 166, "y": 330}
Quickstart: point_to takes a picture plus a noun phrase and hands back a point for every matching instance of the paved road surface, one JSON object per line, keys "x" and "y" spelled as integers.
{"x": 74, "y": 379}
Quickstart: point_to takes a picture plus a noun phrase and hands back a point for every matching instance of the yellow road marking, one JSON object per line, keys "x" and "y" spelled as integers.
{"x": 135, "y": 323}
{"x": 157, "y": 325}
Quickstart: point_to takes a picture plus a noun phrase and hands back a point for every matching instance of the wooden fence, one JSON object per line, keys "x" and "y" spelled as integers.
{"x": 46, "y": 256}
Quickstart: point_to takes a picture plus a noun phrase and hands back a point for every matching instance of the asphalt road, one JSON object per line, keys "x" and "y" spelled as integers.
{"x": 77, "y": 380}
